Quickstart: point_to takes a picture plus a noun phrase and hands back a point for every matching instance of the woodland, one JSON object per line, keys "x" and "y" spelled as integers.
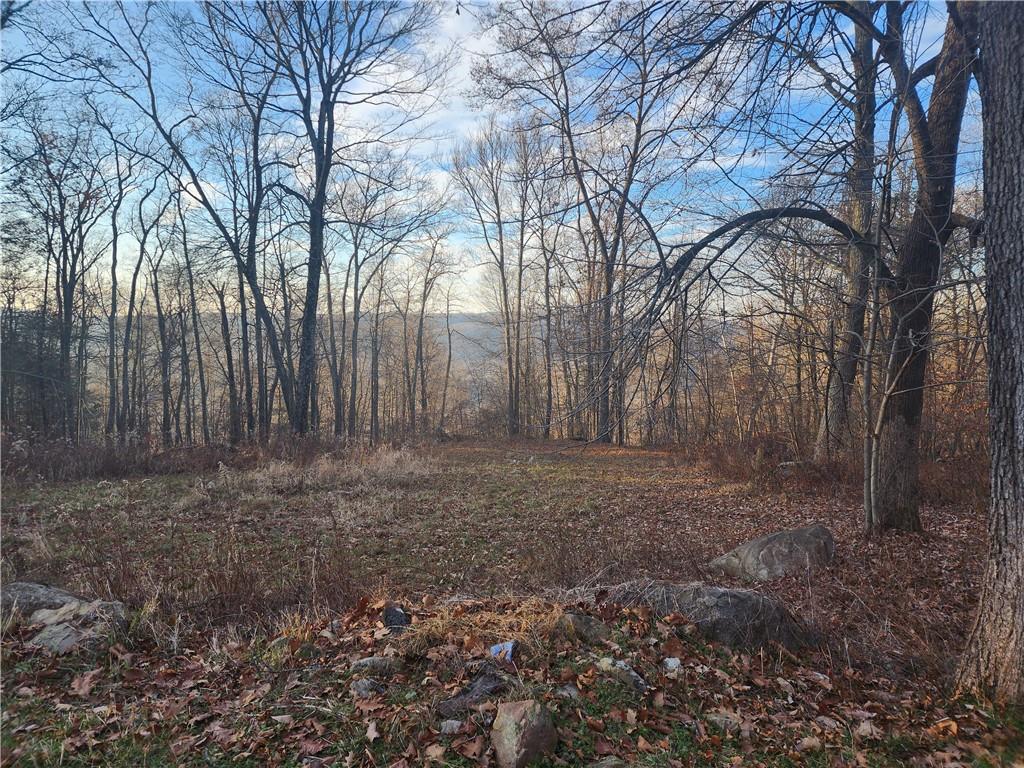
{"x": 512, "y": 383}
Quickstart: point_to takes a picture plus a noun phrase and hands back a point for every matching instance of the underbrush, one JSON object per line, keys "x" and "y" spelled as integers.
{"x": 190, "y": 553}
{"x": 29, "y": 459}
{"x": 765, "y": 464}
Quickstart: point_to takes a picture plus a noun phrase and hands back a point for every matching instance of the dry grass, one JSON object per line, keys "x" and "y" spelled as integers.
{"x": 527, "y": 621}
{"x": 244, "y": 544}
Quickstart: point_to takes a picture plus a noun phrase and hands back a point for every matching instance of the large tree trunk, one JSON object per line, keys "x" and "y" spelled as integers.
{"x": 834, "y": 428}
{"x": 354, "y": 356}
{"x": 307, "y": 333}
{"x": 243, "y": 310}
{"x": 165, "y": 364}
{"x": 234, "y": 409}
{"x": 112, "y": 330}
{"x": 936, "y": 140}
{"x": 993, "y": 663}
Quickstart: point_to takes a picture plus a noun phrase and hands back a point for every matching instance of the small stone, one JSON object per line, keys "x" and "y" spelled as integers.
{"x": 609, "y": 762}
{"x": 727, "y": 721}
{"x": 522, "y": 733}
{"x": 568, "y": 691}
{"x": 451, "y": 727}
{"x": 376, "y": 665}
{"x": 366, "y": 688}
{"x": 672, "y": 664}
{"x": 586, "y": 628}
{"x": 622, "y": 672}
{"x": 396, "y": 618}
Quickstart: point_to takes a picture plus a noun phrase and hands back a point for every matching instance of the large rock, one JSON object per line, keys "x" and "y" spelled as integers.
{"x": 778, "y": 554}
{"x": 733, "y": 617}
{"x": 77, "y": 625}
{"x": 29, "y": 597}
{"x": 82, "y": 613}
{"x": 69, "y": 622}
{"x": 522, "y": 733}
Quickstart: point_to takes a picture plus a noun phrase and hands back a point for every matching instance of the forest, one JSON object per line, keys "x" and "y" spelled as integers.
{"x": 382, "y": 382}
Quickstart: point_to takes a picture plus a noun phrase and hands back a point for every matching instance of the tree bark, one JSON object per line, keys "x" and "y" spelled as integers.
{"x": 936, "y": 139}
{"x": 234, "y": 410}
{"x": 993, "y": 663}
{"x": 834, "y": 428}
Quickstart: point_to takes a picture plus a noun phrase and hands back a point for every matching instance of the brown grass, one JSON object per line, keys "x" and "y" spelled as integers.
{"x": 528, "y": 621}
{"x": 247, "y": 541}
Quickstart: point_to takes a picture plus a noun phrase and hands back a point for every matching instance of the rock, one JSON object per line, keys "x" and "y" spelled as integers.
{"x": 733, "y": 617}
{"x": 583, "y": 627}
{"x": 97, "y": 612}
{"x": 487, "y": 683}
{"x": 622, "y": 672}
{"x": 63, "y": 638}
{"x": 672, "y": 664}
{"x": 383, "y": 666}
{"x": 366, "y": 688}
{"x": 396, "y": 618}
{"x": 77, "y": 624}
{"x": 778, "y": 554}
{"x": 609, "y": 762}
{"x": 30, "y": 597}
{"x": 727, "y": 721}
{"x": 568, "y": 691}
{"x": 451, "y": 727}
{"x": 522, "y": 733}
{"x": 789, "y": 468}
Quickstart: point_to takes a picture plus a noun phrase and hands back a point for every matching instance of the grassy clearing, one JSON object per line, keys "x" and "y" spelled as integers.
{"x": 232, "y": 574}
{"x": 239, "y": 544}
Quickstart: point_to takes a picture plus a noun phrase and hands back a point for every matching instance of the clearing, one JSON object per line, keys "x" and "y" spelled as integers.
{"x": 216, "y": 567}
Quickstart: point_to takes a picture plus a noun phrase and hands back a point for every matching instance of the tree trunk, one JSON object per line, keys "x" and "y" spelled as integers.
{"x": 307, "y": 333}
{"x": 993, "y": 663}
{"x": 165, "y": 364}
{"x": 354, "y": 354}
{"x": 234, "y": 410}
{"x": 919, "y": 258}
{"x": 834, "y": 428}
{"x": 204, "y": 411}
{"x": 243, "y": 310}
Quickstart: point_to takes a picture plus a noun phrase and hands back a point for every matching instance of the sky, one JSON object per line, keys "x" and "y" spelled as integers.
{"x": 457, "y": 118}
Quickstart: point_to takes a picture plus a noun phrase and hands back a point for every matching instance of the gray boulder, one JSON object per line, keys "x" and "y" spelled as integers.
{"x": 733, "y": 617}
{"x": 77, "y": 625}
{"x": 29, "y": 597}
{"x": 778, "y": 554}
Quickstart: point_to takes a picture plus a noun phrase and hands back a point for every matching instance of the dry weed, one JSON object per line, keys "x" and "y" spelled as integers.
{"x": 528, "y": 621}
